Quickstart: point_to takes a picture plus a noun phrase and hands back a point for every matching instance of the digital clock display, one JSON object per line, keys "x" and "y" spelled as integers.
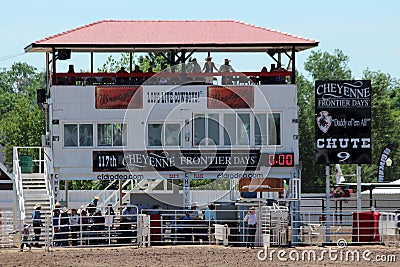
{"x": 280, "y": 160}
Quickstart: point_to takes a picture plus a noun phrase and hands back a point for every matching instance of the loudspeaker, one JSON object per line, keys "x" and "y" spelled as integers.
{"x": 64, "y": 54}
{"x": 41, "y": 97}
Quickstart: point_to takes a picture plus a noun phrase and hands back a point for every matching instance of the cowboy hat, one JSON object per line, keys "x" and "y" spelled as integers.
{"x": 208, "y": 58}
{"x": 37, "y": 206}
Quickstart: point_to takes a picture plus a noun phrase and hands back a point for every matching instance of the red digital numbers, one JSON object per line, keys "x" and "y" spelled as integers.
{"x": 280, "y": 160}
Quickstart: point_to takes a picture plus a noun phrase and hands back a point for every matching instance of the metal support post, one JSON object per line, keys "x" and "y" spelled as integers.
{"x": 328, "y": 203}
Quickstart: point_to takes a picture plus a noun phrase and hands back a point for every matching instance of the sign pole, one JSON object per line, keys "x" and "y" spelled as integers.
{"x": 186, "y": 192}
{"x": 358, "y": 187}
{"x": 328, "y": 202}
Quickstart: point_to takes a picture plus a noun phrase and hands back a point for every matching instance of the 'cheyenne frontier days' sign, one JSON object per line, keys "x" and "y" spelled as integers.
{"x": 343, "y": 122}
{"x": 188, "y": 160}
{"x": 175, "y": 160}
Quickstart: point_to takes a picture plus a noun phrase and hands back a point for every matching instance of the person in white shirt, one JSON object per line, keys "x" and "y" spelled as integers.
{"x": 251, "y": 220}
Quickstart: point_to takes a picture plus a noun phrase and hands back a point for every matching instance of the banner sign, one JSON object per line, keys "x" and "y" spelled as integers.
{"x": 188, "y": 160}
{"x": 261, "y": 185}
{"x": 173, "y": 97}
{"x": 230, "y": 97}
{"x": 343, "y": 122}
{"x": 119, "y": 97}
{"x": 382, "y": 163}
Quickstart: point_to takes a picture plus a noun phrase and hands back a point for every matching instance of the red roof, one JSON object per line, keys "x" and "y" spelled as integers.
{"x": 148, "y": 35}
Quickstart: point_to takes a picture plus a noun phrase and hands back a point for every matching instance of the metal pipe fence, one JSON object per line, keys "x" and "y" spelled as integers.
{"x": 175, "y": 227}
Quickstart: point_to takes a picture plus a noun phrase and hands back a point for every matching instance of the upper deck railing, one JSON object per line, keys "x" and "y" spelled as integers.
{"x": 161, "y": 78}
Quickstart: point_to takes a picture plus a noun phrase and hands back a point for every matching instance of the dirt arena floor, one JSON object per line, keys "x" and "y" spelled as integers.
{"x": 203, "y": 256}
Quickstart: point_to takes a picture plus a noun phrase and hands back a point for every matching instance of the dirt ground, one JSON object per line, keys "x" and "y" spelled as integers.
{"x": 202, "y": 256}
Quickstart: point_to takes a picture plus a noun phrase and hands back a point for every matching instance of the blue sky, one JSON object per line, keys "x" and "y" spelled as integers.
{"x": 367, "y": 31}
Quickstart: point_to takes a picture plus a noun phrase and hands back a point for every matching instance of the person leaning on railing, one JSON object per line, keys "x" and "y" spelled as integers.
{"x": 137, "y": 80}
{"x": 278, "y": 79}
{"x": 208, "y": 67}
{"x": 264, "y": 79}
{"x": 122, "y": 80}
{"x": 226, "y": 67}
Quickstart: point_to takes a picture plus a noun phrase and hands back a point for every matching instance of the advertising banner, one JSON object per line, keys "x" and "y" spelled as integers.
{"x": 382, "y": 162}
{"x": 343, "y": 122}
{"x": 119, "y": 97}
{"x": 230, "y": 97}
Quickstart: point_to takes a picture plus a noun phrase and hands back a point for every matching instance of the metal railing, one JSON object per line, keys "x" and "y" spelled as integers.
{"x": 49, "y": 186}
{"x": 135, "y": 78}
{"x": 175, "y": 227}
{"x": 19, "y": 208}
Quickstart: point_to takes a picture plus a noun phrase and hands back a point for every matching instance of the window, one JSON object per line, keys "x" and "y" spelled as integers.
{"x": 70, "y": 135}
{"x": 112, "y": 134}
{"x": 85, "y": 135}
{"x": 168, "y": 134}
{"x": 229, "y": 129}
{"x": 154, "y": 134}
{"x": 78, "y": 132}
{"x": 104, "y": 134}
{"x": 237, "y": 129}
{"x": 172, "y": 134}
{"x": 260, "y": 129}
{"x": 274, "y": 129}
{"x": 119, "y": 134}
{"x": 243, "y": 125}
{"x": 206, "y": 129}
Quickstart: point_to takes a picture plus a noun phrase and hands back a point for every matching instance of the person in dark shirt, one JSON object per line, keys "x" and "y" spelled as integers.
{"x": 121, "y": 77}
{"x": 37, "y": 223}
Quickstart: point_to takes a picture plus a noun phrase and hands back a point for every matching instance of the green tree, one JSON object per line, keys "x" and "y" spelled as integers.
{"x": 385, "y": 121}
{"x": 325, "y": 66}
{"x": 311, "y": 173}
{"x": 154, "y": 60}
{"x": 22, "y": 126}
{"x": 22, "y": 122}
{"x": 23, "y": 79}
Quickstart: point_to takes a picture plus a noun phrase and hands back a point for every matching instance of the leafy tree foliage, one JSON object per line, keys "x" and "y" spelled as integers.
{"x": 155, "y": 61}
{"x": 22, "y": 126}
{"x": 22, "y": 122}
{"x": 385, "y": 122}
{"x": 325, "y": 66}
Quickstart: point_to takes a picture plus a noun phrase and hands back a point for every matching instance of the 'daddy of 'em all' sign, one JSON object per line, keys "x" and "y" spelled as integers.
{"x": 343, "y": 122}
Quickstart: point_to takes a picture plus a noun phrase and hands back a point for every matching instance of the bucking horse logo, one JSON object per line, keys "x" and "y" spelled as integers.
{"x": 324, "y": 121}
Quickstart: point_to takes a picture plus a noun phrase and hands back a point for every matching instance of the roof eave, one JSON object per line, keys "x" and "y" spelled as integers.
{"x": 163, "y": 47}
